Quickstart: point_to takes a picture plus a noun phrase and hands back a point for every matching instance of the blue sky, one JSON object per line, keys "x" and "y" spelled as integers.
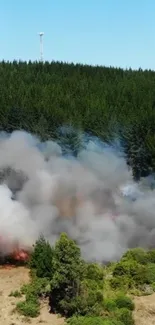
{"x": 100, "y": 32}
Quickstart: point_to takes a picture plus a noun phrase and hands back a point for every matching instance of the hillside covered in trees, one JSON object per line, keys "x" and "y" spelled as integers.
{"x": 113, "y": 104}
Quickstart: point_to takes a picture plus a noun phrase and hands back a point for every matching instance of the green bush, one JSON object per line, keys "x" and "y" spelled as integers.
{"x": 137, "y": 254}
{"x": 92, "y": 295}
{"x": 124, "y": 315}
{"x": 37, "y": 287}
{"x": 89, "y": 301}
{"x": 123, "y": 301}
{"x": 89, "y": 320}
{"x": 127, "y": 270}
{"x": 16, "y": 294}
{"x": 41, "y": 258}
{"x": 28, "y": 308}
{"x": 151, "y": 256}
{"x": 150, "y": 273}
{"x": 122, "y": 283}
{"x": 95, "y": 272}
{"x": 109, "y": 304}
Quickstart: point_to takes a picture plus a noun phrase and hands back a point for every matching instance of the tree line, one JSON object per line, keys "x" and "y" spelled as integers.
{"x": 110, "y": 103}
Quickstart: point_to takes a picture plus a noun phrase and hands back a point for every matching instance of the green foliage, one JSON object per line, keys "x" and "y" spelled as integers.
{"x": 135, "y": 273}
{"x": 29, "y": 308}
{"x": 137, "y": 254}
{"x": 16, "y": 294}
{"x": 89, "y": 320}
{"x": 126, "y": 267}
{"x": 109, "y": 102}
{"x": 37, "y": 288}
{"x": 69, "y": 270}
{"x": 122, "y": 282}
{"x": 124, "y": 315}
{"x": 70, "y": 140}
{"x": 151, "y": 256}
{"x": 150, "y": 273}
{"x": 131, "y": 272}
{"x": 123, "y": 301}
{"x": 87, "y": 291}
{"x": 90, "y": 299}
{"x": 41, "y": 258}
{"x": 109, "y": 304}
{"x": 94, "y": 272}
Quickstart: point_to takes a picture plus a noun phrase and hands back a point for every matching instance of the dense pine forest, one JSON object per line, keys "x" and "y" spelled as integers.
{"x": 110, "y": 103}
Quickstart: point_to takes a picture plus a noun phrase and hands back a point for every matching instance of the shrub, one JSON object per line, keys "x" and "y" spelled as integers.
{"x": 123, "y": 301}
{"x": 95, "y": 272}
{"x": 151, "y": 256}
{"x": 16, "y": 294}
{"x": 28, "y": 308}
{"x": 37, "y": 287}
{"x": 41, "y": 258}
{"x": 127, "y": 270}
{"x": 89, "y": 301}
{"x": 137, "y": 254}
{"x": 92, "y": 295}
{"x": 150, "y": 273}
{"x": 89, "y": 320}
{"x": 122, "y": 283}
{"x": 124, "y": 315}
{"x": 109, "y": 304}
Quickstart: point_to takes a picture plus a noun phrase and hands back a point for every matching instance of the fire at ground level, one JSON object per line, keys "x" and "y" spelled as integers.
{"x": 14, "y": 255}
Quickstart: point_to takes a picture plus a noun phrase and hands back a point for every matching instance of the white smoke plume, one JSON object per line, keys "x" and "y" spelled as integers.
{"x": 91, "y": 197}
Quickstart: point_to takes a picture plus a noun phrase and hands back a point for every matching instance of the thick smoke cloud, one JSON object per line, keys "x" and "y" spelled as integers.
{"x": 91, "y": 197}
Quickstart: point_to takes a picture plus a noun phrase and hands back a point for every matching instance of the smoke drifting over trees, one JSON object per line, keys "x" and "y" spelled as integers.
{"x": 90, "y": 194}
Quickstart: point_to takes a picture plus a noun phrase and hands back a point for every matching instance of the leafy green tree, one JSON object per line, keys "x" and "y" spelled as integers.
{"x": 69, "y": 270}
{"x": 42, "y": 258}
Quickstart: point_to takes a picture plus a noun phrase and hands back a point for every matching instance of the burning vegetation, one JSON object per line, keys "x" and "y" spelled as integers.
{"x": 12, "y": 253}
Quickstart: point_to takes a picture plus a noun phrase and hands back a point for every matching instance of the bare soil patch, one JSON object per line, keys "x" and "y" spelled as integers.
{"x": 144, "y": 313}
{"x": 12, "y": 279}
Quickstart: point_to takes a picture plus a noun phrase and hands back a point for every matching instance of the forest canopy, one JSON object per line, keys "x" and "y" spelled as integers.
{"x": 110, "y": 103}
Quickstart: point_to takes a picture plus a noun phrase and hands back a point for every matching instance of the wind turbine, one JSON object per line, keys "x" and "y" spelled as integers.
{"x": 41, "y": 45}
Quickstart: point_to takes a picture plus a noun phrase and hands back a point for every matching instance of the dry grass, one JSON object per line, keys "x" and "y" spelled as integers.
{"x": 11, "y": 280}
{"x": 144, "y": 313}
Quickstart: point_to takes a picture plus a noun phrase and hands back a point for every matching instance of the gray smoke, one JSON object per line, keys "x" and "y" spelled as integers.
{"x": 91, "y": 197}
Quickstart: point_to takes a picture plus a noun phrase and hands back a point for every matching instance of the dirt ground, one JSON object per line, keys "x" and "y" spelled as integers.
{"x": 144, "y": 313}
{"x": 11, "y": 280}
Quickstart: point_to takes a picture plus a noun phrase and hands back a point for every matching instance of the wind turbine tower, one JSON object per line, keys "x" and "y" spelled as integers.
{"x": 41, "y": 45}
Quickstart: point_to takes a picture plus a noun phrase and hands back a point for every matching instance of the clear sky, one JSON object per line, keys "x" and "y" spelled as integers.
{"x": 100, "y": 32}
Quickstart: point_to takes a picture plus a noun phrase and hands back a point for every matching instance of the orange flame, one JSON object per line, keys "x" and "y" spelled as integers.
{"x": 13, "y": 250}
{"x": 20, "y": 255}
